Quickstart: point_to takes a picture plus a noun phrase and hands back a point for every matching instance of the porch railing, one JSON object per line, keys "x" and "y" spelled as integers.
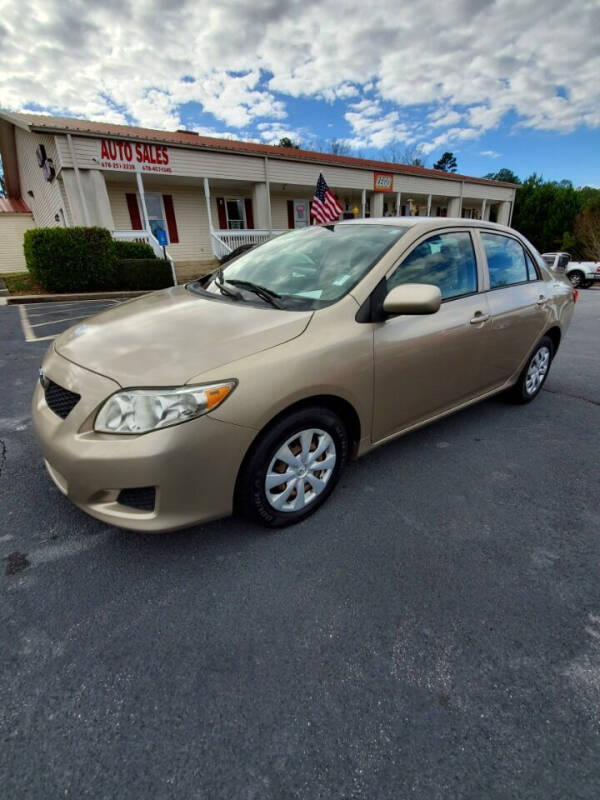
{"x": 225, "y": 242}
{"x": 147, "y": 238}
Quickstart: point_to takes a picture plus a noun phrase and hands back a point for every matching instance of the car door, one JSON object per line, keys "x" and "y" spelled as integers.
{"x": 517, "y": 299}
{"x": 429, "y": 363}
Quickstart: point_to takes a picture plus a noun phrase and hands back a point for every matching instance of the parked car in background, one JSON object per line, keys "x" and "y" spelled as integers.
{"x": 251, "y": 388}
{"x": 582, "y": 274}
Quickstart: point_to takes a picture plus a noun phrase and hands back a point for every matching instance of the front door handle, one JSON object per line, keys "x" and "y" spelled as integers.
{"x": 541, "y": 301}
{"x": 479, "y": 317}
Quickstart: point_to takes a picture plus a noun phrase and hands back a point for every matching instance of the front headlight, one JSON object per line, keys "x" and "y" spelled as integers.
{"x": 143, "y": 410}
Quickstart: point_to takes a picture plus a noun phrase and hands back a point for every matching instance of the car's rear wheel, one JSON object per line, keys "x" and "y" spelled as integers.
{"x": 577, "y": 279}
{"x": 293, "y": 467}
{"x": 534, "y": 373}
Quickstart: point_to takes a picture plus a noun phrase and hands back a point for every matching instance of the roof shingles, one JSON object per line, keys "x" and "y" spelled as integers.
{"x": 191, "y": 139}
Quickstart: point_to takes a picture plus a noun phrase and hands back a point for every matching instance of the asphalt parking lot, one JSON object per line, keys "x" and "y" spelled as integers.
{"x": 433, "y": 632}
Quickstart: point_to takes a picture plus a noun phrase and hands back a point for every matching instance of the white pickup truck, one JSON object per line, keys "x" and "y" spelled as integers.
{"x": 582, "y": 274}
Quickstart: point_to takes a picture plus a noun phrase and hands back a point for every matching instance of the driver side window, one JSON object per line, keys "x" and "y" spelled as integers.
{"x": 446, "y": 260}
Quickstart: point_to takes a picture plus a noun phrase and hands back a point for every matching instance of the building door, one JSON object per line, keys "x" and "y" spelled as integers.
{"x": 301, "y": 214}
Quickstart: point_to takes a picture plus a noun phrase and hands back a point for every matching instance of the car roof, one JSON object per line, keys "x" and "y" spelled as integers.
{"x": 429, "y": 223}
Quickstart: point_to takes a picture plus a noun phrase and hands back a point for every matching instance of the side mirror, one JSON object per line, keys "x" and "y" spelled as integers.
{"x": 413, "y": 298}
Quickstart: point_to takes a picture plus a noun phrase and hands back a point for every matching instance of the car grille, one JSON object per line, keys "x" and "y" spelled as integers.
{"x": 142, "y": 498}
{"x": 60, "y": 400}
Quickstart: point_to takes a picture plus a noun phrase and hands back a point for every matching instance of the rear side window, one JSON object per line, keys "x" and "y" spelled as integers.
{"x": 506, "y": 260}
{"x": 446, "y": 260}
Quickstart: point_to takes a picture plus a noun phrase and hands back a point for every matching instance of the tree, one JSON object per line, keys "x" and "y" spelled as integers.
{"x": 338, "y": 147}
{"x": 285, "y": 141}
{"x": 587, "y": 234}
{"x": 447, "y": 162}
{"x": 545, "y": 212}
{"x": 504, "y": 174}
{"x": 2, "y": 181}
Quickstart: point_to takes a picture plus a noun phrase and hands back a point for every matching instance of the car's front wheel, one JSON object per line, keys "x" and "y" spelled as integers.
{"x": 293, "y": 467}
{"x": 534, "y": 373}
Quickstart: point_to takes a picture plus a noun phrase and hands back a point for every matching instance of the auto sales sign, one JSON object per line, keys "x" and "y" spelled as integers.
{"x": 132, "y": 156}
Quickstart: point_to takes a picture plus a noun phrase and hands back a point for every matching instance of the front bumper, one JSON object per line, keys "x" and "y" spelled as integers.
{"x": 193, "y": 466}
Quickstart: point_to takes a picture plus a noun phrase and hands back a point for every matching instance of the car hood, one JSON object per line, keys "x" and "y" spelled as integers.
{"x": 165, "y": 338}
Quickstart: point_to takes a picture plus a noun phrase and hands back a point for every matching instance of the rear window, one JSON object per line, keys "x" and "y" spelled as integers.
{"x": 506, "y": 260}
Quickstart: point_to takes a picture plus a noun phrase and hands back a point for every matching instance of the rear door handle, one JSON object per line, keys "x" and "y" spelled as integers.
{"x": 541, "y": 300}
{"x": 479, "y": 317}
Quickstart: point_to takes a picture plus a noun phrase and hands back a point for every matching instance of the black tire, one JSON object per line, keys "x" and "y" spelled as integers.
{"x": 251, "y": 497}
{"x": 585, "y": 285}
{"x": 577, "y": 279}
{"x": 519, "y": 393}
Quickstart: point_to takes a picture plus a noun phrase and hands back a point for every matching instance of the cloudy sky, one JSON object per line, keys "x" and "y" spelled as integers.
{"x": 510, "y": 83}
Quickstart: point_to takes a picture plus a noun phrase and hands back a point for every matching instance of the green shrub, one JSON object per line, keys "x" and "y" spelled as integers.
{"x": 133, "y": 250}
{"x": 143, "y": 273}
{"x": 71, "y": 259}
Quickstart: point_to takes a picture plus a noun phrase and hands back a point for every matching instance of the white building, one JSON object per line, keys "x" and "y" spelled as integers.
{"x": 204, "y": 195}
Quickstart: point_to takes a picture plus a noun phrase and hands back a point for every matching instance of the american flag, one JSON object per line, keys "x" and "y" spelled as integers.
{"x": 325, "y": 206}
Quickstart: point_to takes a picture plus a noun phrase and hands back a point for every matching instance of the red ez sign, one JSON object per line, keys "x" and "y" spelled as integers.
{"x": 131, "y": 155}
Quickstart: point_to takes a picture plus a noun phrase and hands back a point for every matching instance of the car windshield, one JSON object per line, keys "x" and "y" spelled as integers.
{"x": 309, "y": 268}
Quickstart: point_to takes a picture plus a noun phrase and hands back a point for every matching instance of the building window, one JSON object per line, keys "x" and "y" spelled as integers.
{"x": 236, "y": 213}
{"x": 156, "y": 214}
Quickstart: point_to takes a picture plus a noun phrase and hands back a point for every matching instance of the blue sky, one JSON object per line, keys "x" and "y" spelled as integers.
{"x": 501, "y": 83}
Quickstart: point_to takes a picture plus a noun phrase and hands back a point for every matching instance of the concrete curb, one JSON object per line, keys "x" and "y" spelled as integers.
{"x": 59, "y": 298}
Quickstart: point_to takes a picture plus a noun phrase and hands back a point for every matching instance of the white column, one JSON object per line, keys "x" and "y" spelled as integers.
{"x": 377, "y": 204}
{"x": 504, "y": 212}
{"x": 86, "y": 213}
{"x": 268, "y": 201}
{"x": 260, "y": 206}
{"x": 100, "y": 203}
{"x": 363, "y": 202}
{"x": 483, "y": 207}
{"x": 428, "y": 205}
{"x": 454, "y": 206}
{"x": 398, "y": 199}
{"x": 140, "y": 185}
{"x": 209, "y": 215}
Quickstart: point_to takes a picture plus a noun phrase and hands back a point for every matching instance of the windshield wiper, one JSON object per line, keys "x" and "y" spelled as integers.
{"x": 221, "y": 285}
{"x": 265, "y": 294}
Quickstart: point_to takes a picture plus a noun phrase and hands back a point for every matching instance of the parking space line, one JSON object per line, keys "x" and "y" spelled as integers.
{"x": 58, "y": 321}
{"x": 28, "y": 312}
{"x": 27, "y": 332}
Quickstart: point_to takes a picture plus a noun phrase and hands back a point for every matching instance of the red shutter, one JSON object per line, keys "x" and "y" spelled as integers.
{"x": 170, "y": 218}
{"x": 134, "y": 212}
{"x": 222, "y": 214}
{"x": 249, "y": 213}
{"x": 290, "y": 209}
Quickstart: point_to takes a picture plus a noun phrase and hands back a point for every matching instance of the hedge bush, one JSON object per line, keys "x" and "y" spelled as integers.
{"x": 89, "y": 260}
{"x": 71, "y": 259}
{"x": 143, "y": 273}
{"x": 133, "y": 250}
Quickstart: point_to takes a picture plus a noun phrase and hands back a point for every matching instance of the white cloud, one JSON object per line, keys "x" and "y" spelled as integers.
{"x": 470, "y": 63}
{"x": 490, "y": 154}
{"x": 372, "y": 127}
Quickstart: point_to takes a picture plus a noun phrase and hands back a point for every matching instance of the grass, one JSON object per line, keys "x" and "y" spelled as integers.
{"x": 21, "y": 283}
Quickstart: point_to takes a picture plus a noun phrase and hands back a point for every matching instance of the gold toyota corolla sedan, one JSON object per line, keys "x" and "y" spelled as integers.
{"x": 251, "y": 388}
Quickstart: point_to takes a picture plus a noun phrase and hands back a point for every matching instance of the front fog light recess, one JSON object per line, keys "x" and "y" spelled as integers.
{"x": 143, "y": 410}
